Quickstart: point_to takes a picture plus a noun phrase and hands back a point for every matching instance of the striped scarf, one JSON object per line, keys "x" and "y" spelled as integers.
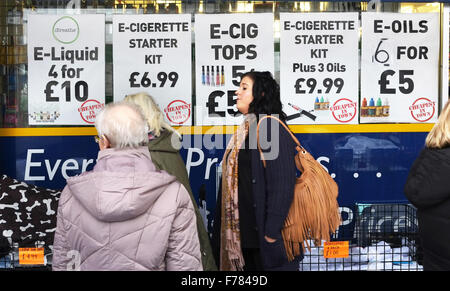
{"x": 231, "y": 258}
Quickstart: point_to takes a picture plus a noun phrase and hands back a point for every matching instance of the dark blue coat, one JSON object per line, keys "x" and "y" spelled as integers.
{"x": 273, "y": 189}
{"x": 428, "y": 188}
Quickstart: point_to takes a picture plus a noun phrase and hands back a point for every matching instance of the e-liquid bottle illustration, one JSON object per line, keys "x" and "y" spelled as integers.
{"x": 371, "y": 107}
{"x": 207, "y": 75}
{"x": 386, "y": 107}
{"x": 212, "y": 76}
{"x": 364, "y": 110}
{"x": 379, "y": 108}
{"x": 223, "y": 78}
{"x": 316, "y": 104}
{"x": 322, "y": 104}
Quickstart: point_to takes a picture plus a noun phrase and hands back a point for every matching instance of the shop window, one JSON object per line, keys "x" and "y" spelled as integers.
{"x": 13, "y": 38}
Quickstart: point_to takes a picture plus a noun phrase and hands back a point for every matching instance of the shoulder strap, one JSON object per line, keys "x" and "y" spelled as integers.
{"x": 299, "y": 146}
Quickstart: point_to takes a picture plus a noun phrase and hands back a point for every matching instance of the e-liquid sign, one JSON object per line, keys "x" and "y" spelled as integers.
{"x": 66, "y": 69}
{"x": 152, "y": 53}
{"x": 227, "y": 46}
{"x": 399, "y": 67}
{"x": 319, "y": 67}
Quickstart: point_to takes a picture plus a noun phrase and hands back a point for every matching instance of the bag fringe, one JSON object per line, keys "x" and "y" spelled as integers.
{"x": 314, "y": 212}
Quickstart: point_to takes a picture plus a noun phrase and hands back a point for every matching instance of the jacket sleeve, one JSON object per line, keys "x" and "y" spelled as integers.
{"x": 60, "y": 261}
{"x": 183, "y": 252}
{"x": 215, "y": 238}
{"x": 280, "y": 178}
{"x": 428, "y": 182}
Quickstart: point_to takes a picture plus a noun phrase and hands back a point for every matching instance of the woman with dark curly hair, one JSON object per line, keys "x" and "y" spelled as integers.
{"x": 253, "y": 201}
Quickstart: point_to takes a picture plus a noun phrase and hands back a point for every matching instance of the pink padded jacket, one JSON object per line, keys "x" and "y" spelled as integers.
{"x": 125, "y": 215}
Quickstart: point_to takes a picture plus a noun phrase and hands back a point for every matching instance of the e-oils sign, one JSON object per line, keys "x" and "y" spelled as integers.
{"x": 319, "y": 67}
{"x": 66, "y": 69}
{"x": 399, "y": 67}
{"x": 152, "y": 53}
{"x": 227, "y": 46}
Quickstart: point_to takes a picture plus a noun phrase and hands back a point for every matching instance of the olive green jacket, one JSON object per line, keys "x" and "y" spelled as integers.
{"x": 167, "y": 158}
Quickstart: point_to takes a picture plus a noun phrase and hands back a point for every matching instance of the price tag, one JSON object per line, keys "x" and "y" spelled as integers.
{"x": 335, "y": 249}
{"x": 31, "y": 256}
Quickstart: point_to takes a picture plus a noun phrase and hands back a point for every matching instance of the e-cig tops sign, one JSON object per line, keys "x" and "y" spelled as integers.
{"x": 227, "y": 46}
{"x": 66, "y": 69}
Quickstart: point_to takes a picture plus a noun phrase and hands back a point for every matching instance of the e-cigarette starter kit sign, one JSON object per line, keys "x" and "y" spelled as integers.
{"x": 152, "y": 53}
{"x": 319, "y": 67}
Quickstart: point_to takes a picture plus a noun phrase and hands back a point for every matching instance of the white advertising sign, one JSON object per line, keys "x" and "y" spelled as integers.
{"x": 226, "y": 46}
{"x": 152, "y": 54}
{"x": 445, "y": 53}
{"x": 399, "y": 67}
{"x": 66, "y": 69}
{"x": 319, "y": 67}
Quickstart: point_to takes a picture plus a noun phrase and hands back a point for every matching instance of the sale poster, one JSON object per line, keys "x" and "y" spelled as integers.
{"x": 227, "y": 46}
{"x": 319, "y": 67}
{"x": 66, "y": 69}
{"x": 399, "y": 67}
{"x": 152, "y": 54}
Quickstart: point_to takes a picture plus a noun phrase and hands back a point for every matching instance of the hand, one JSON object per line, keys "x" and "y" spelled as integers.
{"x": 269, "y": 239}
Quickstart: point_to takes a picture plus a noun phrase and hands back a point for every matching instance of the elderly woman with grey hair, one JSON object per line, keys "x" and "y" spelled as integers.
{"x": 164, "y": 144}
{"x": 125, "y": 214}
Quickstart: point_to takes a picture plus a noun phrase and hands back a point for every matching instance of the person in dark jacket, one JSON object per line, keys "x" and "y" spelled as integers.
{"x": 428, "y": 189}
{"x": 164, "y": 144}
{"x": 253, "y": 201}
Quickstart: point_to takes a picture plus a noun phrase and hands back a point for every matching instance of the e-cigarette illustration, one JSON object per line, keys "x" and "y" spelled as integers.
{"x": 217, "y": 77}
{"x": 214, "y": 76}
{"x": 203, "y": 75}
{"x": 301, "y": 112}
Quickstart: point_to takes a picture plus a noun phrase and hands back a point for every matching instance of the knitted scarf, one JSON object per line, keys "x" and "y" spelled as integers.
{"x": 231, "y": 258}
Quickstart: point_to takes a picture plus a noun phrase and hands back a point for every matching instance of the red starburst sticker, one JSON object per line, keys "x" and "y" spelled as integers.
{"x": 89, "y": 109}
{"x": 344, "y": 110}
{"x": 178, "y": 111}
{"x": 422, "y": 109}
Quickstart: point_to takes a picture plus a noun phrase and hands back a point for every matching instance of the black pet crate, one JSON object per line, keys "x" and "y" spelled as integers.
{"x": 382, "y": 237}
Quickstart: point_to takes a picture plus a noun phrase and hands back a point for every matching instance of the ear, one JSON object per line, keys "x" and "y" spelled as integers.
{"x": 106, "y": 142}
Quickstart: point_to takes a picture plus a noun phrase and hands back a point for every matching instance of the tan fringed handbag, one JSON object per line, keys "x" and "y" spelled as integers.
{"x": 314, "y": 212}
